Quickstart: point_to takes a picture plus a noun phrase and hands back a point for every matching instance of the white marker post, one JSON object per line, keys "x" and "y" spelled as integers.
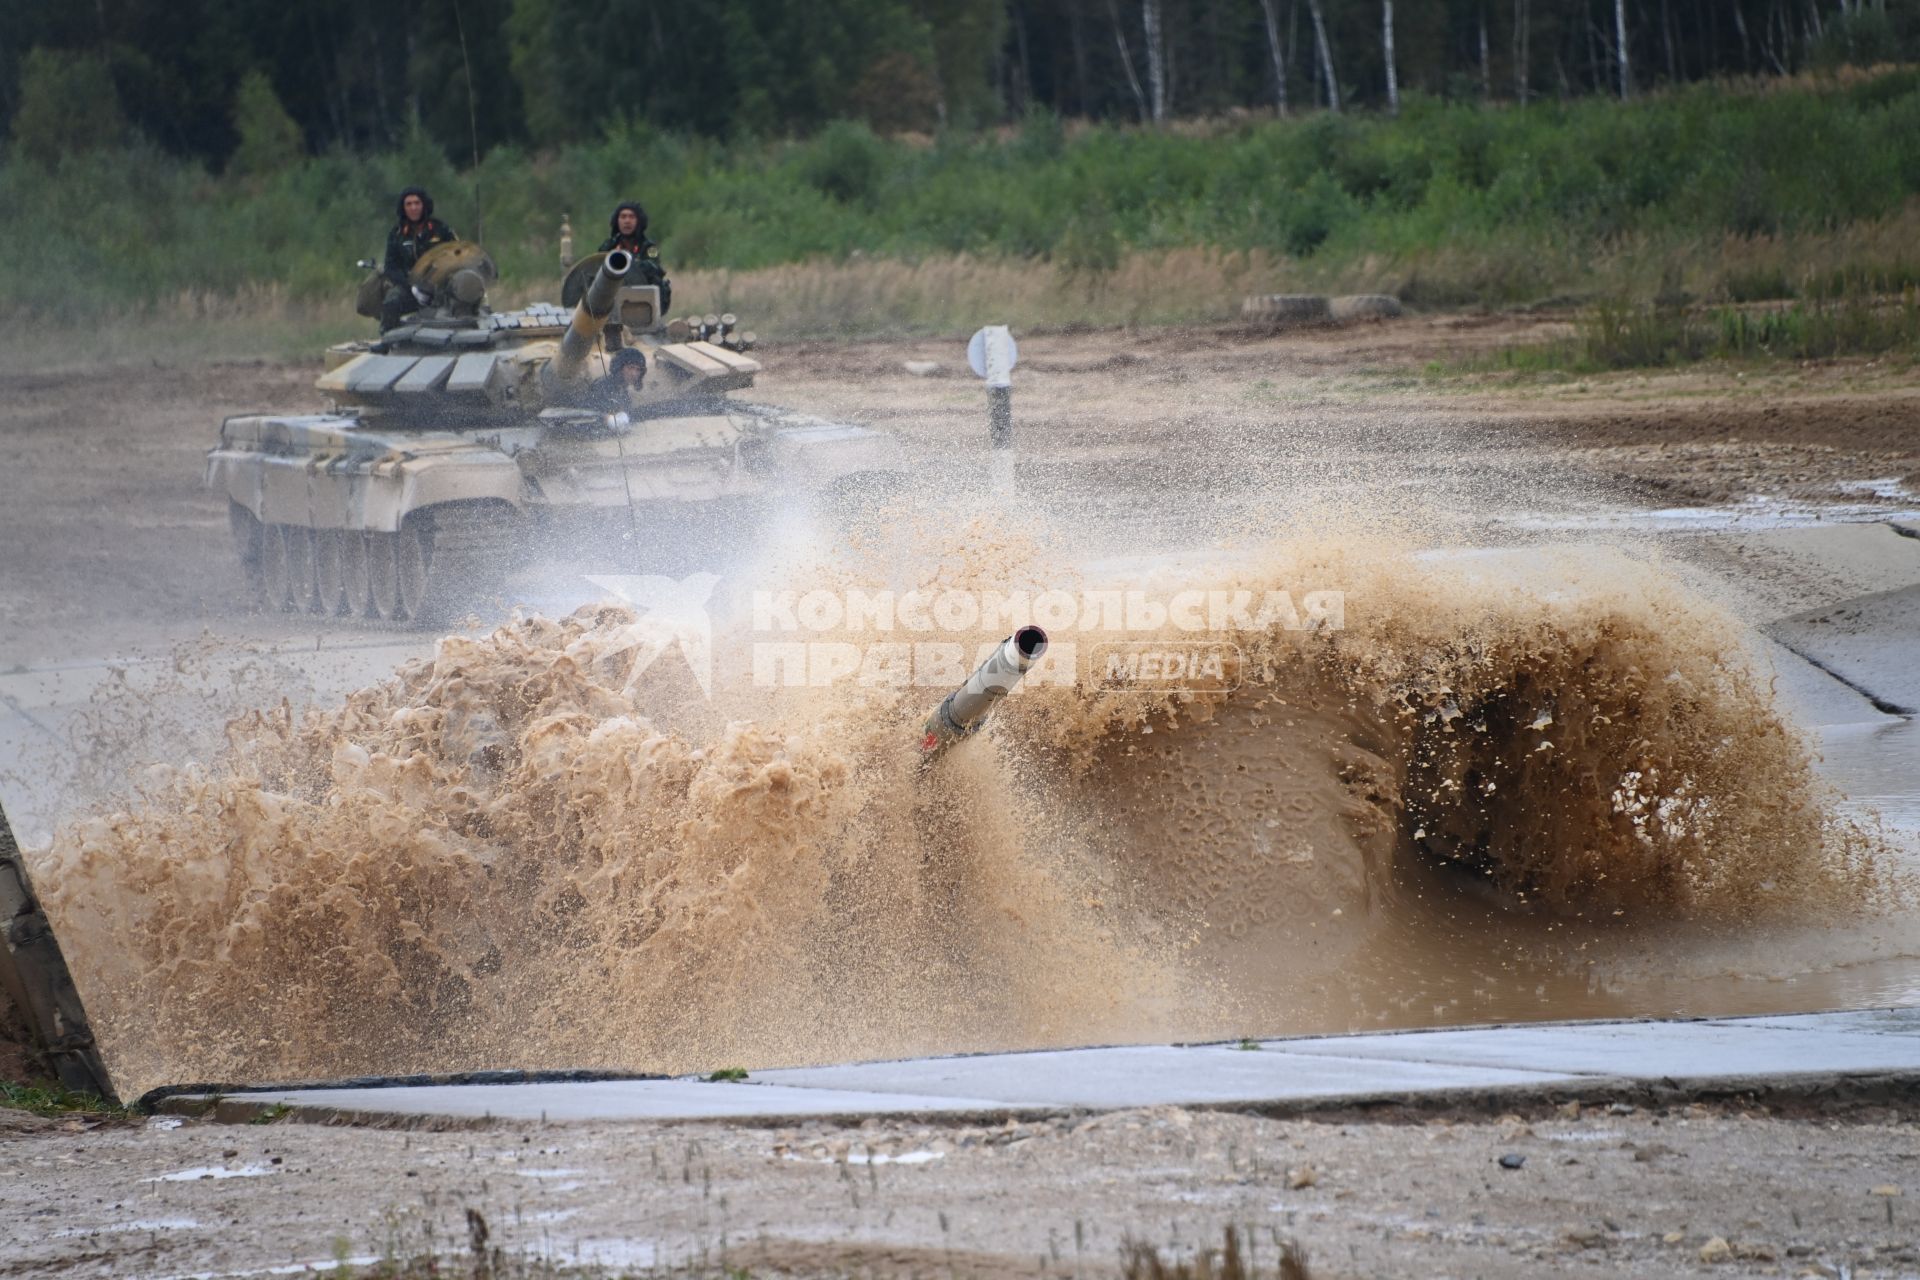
{"x": 992, "y": 354}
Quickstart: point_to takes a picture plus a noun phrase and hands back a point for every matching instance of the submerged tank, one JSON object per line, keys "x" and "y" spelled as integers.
{"x": 457, "y": 437}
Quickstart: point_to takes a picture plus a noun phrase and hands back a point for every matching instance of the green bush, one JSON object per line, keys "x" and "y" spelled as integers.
{"x": 1314, "y": 213}
{"x": 1090, "y": 249}
{"x": 844, "y": 162}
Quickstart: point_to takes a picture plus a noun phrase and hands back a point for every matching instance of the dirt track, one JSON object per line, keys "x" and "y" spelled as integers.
{"x": 1598, "y": 1193}
{"x": 111, "y": 539}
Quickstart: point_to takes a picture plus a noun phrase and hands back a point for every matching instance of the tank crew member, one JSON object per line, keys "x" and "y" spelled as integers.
{"x": 628, "y": 228}
{"x": 415, "y": 231}
{"x": 626, "y": 374}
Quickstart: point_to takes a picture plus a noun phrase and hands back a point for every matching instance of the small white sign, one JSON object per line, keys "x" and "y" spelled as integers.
{"x": 992, "y": 354}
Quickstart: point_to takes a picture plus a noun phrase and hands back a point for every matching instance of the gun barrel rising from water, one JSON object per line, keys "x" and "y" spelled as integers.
{"x": 590, "y": 316}
{"x": 963, "y": 711}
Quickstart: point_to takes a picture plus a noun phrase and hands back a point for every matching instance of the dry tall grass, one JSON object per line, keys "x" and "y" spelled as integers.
{"x": 869, "y": 297}
{"x": 952, "y": 294}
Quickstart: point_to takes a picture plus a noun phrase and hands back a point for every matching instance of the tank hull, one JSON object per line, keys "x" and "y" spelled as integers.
{"x": 333, "y": 471}
{"x": 338, "y": 515}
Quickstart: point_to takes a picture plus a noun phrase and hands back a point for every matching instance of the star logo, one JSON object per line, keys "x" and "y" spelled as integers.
{"x": 673, "y": 612}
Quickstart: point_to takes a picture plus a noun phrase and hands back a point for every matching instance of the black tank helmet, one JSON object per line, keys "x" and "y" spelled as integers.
{"x": 640, "y": 216}
{"x": 627, "y": 357}
{"x": 426, "y": 204}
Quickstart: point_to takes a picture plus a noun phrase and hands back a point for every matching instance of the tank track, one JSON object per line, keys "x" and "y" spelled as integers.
{"x": 439, "y": 561}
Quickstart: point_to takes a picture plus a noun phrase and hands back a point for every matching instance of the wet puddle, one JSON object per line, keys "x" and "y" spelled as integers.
{"x": 1877, "y": 767}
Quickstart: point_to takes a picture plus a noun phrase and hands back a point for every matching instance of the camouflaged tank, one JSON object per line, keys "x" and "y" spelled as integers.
{"x": 458, "y": 437}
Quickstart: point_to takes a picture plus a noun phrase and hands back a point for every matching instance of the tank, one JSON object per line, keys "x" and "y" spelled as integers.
{"x": 453, "y": 442}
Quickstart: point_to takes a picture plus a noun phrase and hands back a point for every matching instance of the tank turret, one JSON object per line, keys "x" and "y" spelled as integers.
{"x": 457, "y": 357}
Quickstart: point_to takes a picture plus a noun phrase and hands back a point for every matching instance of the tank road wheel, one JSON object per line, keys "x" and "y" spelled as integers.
{"x": 456, "y": 556}
{"x": 398, "y": 566}
{"x": 276, "y": 577}
{"x": 441, "y": 560}
{"x": 383, "y": 586}
{"x": 353, "y": 574}
{"x": 299, "y": 541}
{"x": 413, "y": 566}
{"x": 330, "y": 572}
{"x": 247, "y": 536}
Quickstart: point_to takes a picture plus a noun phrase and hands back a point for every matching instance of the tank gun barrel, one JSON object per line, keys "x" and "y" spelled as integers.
{"x": 964, "y": 710}
{"x": 590, "y": 316}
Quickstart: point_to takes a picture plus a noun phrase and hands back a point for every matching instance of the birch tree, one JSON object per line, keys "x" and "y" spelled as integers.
{"x": 1126, "y": 58}
{"x": 1386, "y": 40}
{"x": 1620, "y": 47}
{"x": 1156, "y": 58}
{"x": 1271, "y": 8}
{"x": 1327, "y": 77}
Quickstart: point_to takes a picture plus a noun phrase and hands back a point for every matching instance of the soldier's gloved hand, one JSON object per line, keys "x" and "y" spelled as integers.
{"x": 421, "y": 296}
{"x": 620, "y": 423}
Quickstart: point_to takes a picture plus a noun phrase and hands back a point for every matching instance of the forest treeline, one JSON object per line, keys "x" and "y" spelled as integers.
{"x": 257, "y": 83}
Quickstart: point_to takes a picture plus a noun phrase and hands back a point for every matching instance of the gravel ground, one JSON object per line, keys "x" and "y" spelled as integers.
{"x": 1697, "y": 1190}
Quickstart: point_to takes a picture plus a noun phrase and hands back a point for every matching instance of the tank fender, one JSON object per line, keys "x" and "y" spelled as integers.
{"x": 812, "y": 452}
{"x": 330, "y": 481}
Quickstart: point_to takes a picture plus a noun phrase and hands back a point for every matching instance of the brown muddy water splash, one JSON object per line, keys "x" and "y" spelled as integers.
{"x": 1483, "y": 798}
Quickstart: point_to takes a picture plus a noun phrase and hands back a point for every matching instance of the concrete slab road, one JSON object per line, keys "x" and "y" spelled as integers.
{"x": 1812, "y": 1053}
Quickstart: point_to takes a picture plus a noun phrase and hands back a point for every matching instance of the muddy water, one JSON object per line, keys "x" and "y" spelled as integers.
{"x": 1556, "y": 794}
{"x": 1878, "y": 766}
